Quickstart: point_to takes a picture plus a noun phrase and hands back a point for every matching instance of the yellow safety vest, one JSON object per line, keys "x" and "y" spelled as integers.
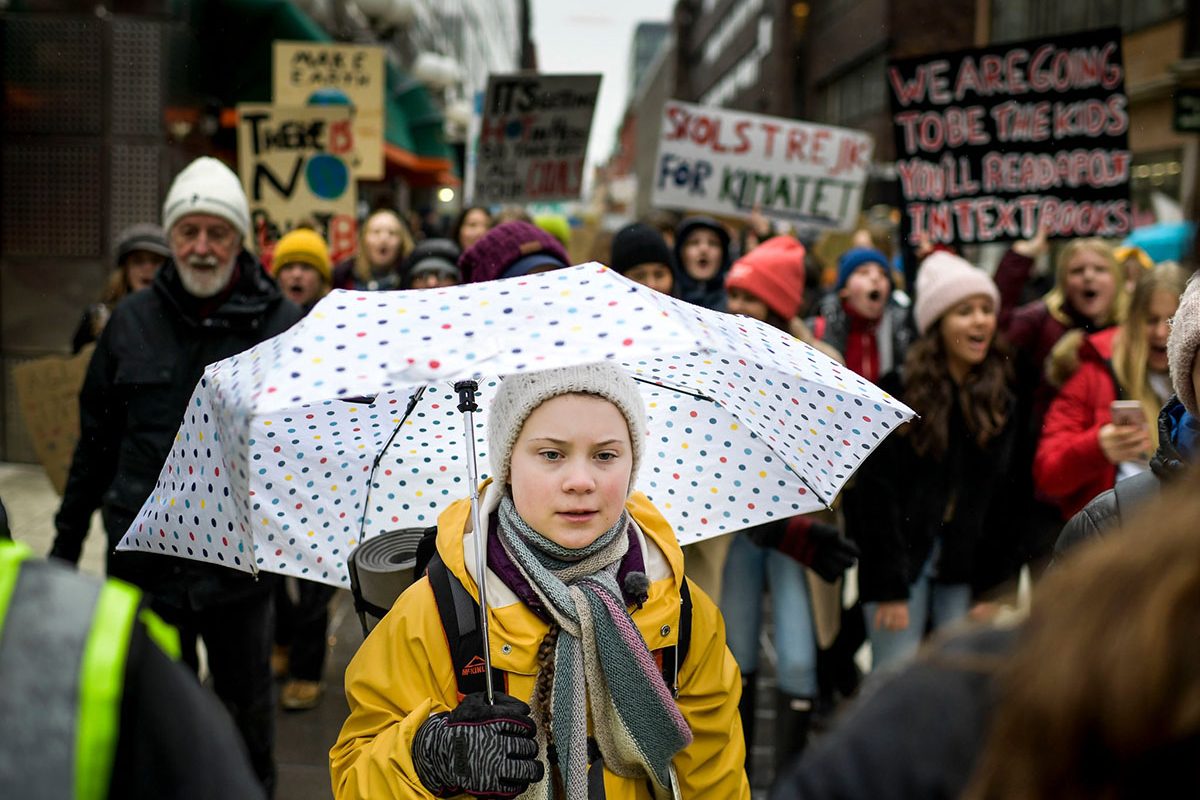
{"x": 64, "y": 638}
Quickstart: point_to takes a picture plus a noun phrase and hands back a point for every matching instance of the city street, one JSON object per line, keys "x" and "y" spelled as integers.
{"x": 303, "y": 738}
{"x": 790, "y": 344}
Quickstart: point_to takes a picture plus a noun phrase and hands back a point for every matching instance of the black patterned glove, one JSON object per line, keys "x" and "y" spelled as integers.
{"x": 483, "y": 750}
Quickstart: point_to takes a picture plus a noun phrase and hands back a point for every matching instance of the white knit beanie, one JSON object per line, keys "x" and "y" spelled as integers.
{"x": 943, "y": 281}
{"x": 1183, "y": 343}
{"x": 207, "y": 186}
{"x": 519, "y": 395}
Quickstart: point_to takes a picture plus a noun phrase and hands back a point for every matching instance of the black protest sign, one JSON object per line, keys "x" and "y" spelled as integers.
{"x": 993, "y": 142}
{"x": 533, "y": 137}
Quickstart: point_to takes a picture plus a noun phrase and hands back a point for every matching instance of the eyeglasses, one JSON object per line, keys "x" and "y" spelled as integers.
{"x": 188, "y": 233}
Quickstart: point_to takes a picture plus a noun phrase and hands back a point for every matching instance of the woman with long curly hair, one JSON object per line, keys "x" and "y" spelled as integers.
{"x": 924, "y": 508}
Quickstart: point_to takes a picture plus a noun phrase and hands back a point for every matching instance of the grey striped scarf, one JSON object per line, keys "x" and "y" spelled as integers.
{"x": 601, "y": 662}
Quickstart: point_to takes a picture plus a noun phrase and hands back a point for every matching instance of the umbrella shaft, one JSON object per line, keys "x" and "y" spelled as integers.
{"x": 480, "y": 549}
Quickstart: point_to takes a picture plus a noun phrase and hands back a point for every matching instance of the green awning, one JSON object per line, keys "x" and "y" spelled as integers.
{"x": 412, "y": 122}
{"x": 227, "y": 60}
{"x": 228, "y": 48}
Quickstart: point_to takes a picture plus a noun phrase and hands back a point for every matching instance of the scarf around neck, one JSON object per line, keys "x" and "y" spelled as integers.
{"x": 600, "y": 663}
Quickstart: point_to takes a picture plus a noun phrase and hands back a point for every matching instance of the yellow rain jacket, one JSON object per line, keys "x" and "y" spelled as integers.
{"x": 402, "y": 673}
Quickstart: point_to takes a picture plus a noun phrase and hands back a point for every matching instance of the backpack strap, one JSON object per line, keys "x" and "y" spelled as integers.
{"x": 426, "y": 547}
{"x": 671, "y": 658}
{"x": 460, "y": 621}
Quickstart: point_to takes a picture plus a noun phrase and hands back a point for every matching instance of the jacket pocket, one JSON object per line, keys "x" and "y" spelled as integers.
{"x": 138, "y": 373}
{"x": 153, "y": 401}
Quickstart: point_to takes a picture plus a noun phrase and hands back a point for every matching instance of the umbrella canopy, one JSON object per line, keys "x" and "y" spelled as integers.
{"x": 347, "y": 425}
{"x": 1164, "y": 241}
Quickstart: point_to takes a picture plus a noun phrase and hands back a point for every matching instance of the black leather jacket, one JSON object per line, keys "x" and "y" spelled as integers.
{"x": 1105, "y": 510}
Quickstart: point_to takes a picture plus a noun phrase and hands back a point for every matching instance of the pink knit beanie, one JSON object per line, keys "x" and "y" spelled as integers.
{"x": 1183, "y": 343}
{"x": 945, "y": 280}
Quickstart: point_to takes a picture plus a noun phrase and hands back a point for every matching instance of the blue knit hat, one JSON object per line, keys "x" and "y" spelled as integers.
{"x": 854, "y": 258}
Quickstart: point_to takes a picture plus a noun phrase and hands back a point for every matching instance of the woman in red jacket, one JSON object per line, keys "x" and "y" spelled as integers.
{"x": 1081, "y": 451}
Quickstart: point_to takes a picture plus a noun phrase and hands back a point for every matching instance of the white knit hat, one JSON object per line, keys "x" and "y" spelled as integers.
{"x": 945, "y": 280}
{"x": 1183, "y": 343}
{"x": 519, "y": 395}
{"x": 206, "y": 186}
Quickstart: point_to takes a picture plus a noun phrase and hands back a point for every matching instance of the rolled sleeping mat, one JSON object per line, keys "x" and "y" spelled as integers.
{"x": 381, "y": 568}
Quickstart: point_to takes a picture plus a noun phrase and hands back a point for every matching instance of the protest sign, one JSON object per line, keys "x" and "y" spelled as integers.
{"x": 727, "y": 162}
{"x": 992, "y": 142}
{"x": 312, "y": 73}
{"x": 48, "y": 396}
{"x": 533, "y": 136}
{"x": 293, "y": 165}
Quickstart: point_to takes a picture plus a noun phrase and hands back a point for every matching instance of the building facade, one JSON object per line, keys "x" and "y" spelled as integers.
{"x": 1158, "y": 36}
{"x": 103, "y": 102}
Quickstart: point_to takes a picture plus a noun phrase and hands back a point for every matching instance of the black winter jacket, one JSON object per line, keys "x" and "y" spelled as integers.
{"x": 912, "y": 734}
{"x": 1106, "y": 510}
{"x": 147, "y": 362}
{"x": 895, "y": 511}
{"x": 835, "y": 329}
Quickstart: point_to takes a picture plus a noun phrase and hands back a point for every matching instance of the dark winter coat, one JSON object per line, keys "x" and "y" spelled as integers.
{"x": 1032, "y": 329}
{"x": 1107, "y": 509}
{"x": 344, "y": 277}
{"x": 911, "y": 735}
{"x": 709, "y": 293}
{"x": 147, "y": 362}
{"x": 896, "y": 507}
{"x": 832, "y": 326}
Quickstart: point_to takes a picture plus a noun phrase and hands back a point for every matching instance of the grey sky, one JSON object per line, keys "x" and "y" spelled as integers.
{"x": 594, "y": 36}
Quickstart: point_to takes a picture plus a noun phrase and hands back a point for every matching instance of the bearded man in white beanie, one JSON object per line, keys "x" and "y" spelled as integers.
{"x": 209, "y": 301}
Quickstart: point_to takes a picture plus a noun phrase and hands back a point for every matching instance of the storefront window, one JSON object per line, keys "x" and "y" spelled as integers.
{"x": 1157, "y": 179}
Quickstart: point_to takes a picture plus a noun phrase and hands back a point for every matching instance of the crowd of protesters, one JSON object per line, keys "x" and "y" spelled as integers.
{"x": 1015, "y": 435}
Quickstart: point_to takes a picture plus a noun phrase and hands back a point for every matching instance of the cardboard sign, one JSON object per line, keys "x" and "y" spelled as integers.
{"x": 727, "y": 162}
{"x": 311, "y": 73}
{"x": 533, "y": 136}
{"x": 48, "y": 395}
{"x": 992, "y": 142}
{"x": 294, "y": 167}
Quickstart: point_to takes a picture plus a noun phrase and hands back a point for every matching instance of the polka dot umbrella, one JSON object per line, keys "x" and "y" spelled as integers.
{"x": 348, "y": 425}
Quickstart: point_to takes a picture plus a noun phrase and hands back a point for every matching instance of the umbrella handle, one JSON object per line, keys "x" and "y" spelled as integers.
{"x": 467, "y": 405}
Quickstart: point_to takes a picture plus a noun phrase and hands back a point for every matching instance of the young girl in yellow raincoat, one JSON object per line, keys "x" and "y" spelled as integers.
{"x": 583, "y": 585}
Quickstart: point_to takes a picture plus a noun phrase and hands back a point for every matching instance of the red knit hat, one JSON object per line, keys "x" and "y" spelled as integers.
{"x": 774, "y": 273}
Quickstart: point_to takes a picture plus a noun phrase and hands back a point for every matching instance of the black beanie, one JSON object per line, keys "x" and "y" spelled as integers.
{"x": 636, "y": 244}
